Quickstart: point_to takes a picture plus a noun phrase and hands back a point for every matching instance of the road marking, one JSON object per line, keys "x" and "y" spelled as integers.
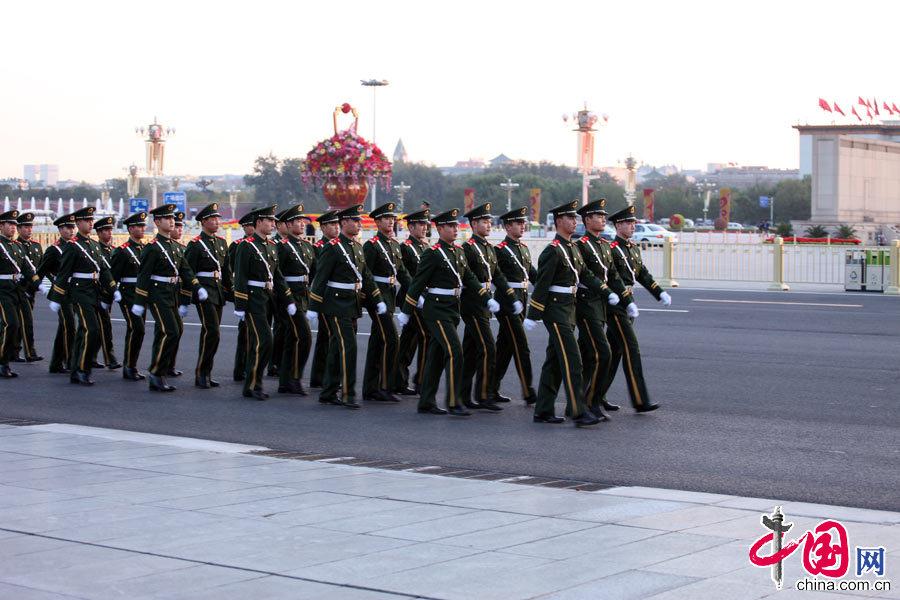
{"x": 771, "y": 302}
{"x": 662, "y": 310}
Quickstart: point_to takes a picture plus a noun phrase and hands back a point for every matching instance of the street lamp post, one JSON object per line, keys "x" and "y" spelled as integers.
{"x": 509, "y": 186}
{"x": 156, "y": 150}
{"x": 232, "y": 199}
{"x": 401, "y": 191}
{"x": 705, "y": 186}
{"x": 584, "y": 121}
{"x": 374, "y": 84}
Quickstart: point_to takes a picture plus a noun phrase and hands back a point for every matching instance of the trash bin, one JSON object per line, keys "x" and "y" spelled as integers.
{"x": 874, "y": 271}
{"x": 855, "y": 270}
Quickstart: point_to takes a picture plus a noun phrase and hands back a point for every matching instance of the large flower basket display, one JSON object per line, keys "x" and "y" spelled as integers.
{"x": 345, "y": 165}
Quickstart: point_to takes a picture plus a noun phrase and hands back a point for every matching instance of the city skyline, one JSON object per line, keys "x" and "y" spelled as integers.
{"x": 237, "y": 84}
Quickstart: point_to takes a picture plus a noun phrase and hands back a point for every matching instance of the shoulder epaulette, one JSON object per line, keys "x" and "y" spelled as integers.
{"x": 284, "y": 240}
{"x": 19, "y": 242}
{"x": 125, "y": 245}
{"x": 56, "y": 243}
{"x": 335, "y": 241}
{"x": 613, "y": 244}
{"x": 585, "y": 239}
{"x": 197, "y": 239}
{"x": 408, "y": 243}
{"x": 319, "y": 244}
{"x": 274, "y": 242}
{"x": 374, "y": 238}
{"x": 180, "y": 244}
{"x": 249, "y": 239}
{"x": 457, "y": 246}
{"x": 554, "y": 243}
{"x": 436, "y": 246}
{"x": 470, "y": 241}
{"x": 393, "y": 239}
{"x": 220, "y": 237}
{"x": 502, "y": 244}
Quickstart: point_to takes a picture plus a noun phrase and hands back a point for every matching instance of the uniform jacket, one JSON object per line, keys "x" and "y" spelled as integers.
{"x": 482, "y": 259}
{"x": 598, "y": 256}
{"x": 83, "y": 255}
{"x": 34, "y": 252}
{"x": 164, "y": 258}
{"x": 14, "y": 262}
{"x": 436, "y": 271}
{"x": 334, "y": 264}
{"x": 51, "y": 262}
{"x": 385, "y": 259}
{"x": 296, "y": 258}
{"x": 125, "y": 264}
{"x": 514, "y": 260}
{"x": 411, "y": 250}
{"x": 631, "y": 269}
{"x": 256, "y": 260}
{"x": 209, "y": 254}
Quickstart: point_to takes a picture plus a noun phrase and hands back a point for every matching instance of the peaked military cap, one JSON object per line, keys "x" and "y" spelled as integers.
{"x": 279, "y": 216}
{"x": 210, "y": 210}
{"x": 9, "y": 216}
{"x": 516, "y": 214}
{"x": 418, "y": 217}
{"x": 564, "y": 210}
{"x": 163, "y": 211}
{"x": 351, "y": 212}
{"x": 179, "y": 218}
{"x": 626, "y": 214}
{"x": 291, "y": 213}
{"x": 329, "y": 216}
{"x": 68, "y": 219}
{"x": 266, "y": 212}
{"x": 84, "y": 214}
{"x": 25, "y": 218}
{"x": 104, "y": 223}
{"x": 451, "y": 217}
{"x": 597, "y": 207}
{"x": 248, "y": 219}
{"x": 385, "y": 210}
{"x": 136, "y": 219}
{"x": 480, "y": 212}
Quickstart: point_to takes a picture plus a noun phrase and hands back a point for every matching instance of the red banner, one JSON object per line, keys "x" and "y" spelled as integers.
{"x": 468, "y": 200}
{"x": 725, "y": 204}
{"x": 535, "y": 200}
{"x": 648, "y": 204}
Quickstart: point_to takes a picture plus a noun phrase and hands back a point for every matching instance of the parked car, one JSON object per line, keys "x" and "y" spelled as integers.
{"x": 652, "y": 233}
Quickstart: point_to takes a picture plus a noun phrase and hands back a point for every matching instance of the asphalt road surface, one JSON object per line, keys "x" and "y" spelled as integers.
{"x": 791, "y": 396}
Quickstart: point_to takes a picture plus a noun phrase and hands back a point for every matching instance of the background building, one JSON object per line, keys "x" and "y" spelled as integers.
{"x": 48, "y": 175}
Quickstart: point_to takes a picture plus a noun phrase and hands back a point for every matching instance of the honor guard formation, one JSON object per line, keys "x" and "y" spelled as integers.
{"x": 282, "y": 285}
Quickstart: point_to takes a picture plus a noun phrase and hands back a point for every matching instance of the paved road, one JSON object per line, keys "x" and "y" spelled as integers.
{"x": 781, "y": 395}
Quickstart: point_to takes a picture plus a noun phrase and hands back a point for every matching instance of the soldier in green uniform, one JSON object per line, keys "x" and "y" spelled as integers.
{"x": 622, "y": 338}
{"x": 183, "y": 294}
{"x": 34, "y": 253}
{"x": 514, "y": 260}
{"x": 590, "y": 309}
{"x": 341, "y": 285}
{"x": 125, "y": 265}
{"x": 157, "y": 287}
{"x": 240, "y": 352}
{"x": 328, "y": 223}
{"x": 50, "y": 262}
{"x": 207, "y": 255}
{"x": 560, "y": 270}
{"x": 414, "y": 336}
{"x": 385, "y": 263}
{"x": 441, "y": 274}
{"x": 277, "y": 320}
{"x": 479, "y": 350}
{"x": 257, "y": 281}
{"x": 14, "y": 267}
{"x": 295, "y": 259}
{"x": 85, "y": 280}
{"x": 104, "y": 228}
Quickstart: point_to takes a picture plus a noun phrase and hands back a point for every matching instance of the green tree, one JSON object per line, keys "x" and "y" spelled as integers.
{"x": 816, "y": 231}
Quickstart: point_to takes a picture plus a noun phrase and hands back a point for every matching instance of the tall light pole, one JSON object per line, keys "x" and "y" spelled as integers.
{"x": 374, "y": 84}
{"x": 631, "y": 182}
{"x": 156, "y": 151}
{"x": 401, "y": 191}
{"x": 584, "y": 121}
{"x": 232, "y": 199}
{"x": 509, "y": 186}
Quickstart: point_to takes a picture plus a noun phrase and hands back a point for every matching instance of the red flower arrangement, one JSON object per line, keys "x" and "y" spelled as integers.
{"x": 834, "y": 241}
{"x": 347, "y": 158}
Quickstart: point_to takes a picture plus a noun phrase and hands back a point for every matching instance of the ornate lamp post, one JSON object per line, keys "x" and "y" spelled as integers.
{"x": 374, "y": 84}
{"x": 401, "y": 191}
{"x": 706, "y": 187}
{"x": 584, "y": 120}
{"x": 509, "y": 186}
{"x": 156, "y": 150}
{"x": 631, "y": 182}
{"x": 232, "y": 199}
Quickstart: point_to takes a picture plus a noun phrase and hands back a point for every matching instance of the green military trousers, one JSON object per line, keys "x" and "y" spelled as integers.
{"x": 166, "y": 334}
{"x": 65, "y": 338}
{"x": 512, "y": 344}
{"x": 210, "y": 320}
{"x": 320, "y": 354}
{"x": 25, "y": 338}
{"x": 479, "y": 357}
{"x": 381, "y": 354}
{"x": 259, "y": 350}
{"x": 625, "y": 349}
{"x": 413, "y": 339}
{"x": 562, "y": 366}
{"x": 295, "y": 349}
{"x": 9, "y": 331}
{"x": 106, "y": 336}
{"x": 595, "y": 357}
{"x": 135, "y": 327}
{"x": 444, "y": 354}
{"x": 340, "y": 367}
{"x": 87, "y": 339}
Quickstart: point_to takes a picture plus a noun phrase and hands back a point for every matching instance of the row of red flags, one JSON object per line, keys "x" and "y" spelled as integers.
{"x": 869, "y": 106}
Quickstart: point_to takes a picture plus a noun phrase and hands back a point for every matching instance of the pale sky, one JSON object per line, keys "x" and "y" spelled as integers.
{"x": 684, "y": 83}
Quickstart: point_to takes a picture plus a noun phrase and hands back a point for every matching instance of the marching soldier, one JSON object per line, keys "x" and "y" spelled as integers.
{"x": 414, "y": 336}
{"x": 385, "y": 263}
{"x": 34, "y": 253}
{"x": 257, "y": 282}
{"x": 240, "y": 352}
{"x": 328, "y": 223}
{"x": 560, "y": 270}
{"x": 342, "y": 283}
{"x": 157, "y": 287}
{"x": 207, "y": 255}
{"x": 622, "y": 338}
{"x": 87, "y": 283}
{"x": 104, "y": 228}
{"x": 442, "y": 272}
{"x": 14, "y": 266}
{"x": 125, "y": 265}
{"x": 184, "y": 295}
{"x": 277, "y": 321}
{"x": 295, "y": 259}
{"x": 514, "y": 260}
{"x": 590, "y": 309}
{"x": 479, "y": 350}
{"x": 50, "y": 263}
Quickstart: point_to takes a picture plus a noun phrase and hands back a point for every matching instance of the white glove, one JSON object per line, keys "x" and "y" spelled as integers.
{"x": 202, "y": 294}
{"x": 381, "y": 308}
{"x": 45, "y": 288}
{"x": 666, "y": 299}
{"x": 517, "y": 307}
{"x": 240, "y": 314}
{"x": 421, "y": 302}
{"x": 493, "y": 305}
{"x": 54, "y": 306}
{"x": 632, "y": 311}
{"x": 529, "y": 325}
{"x": 292, "y": 309}
{"x": 613, "y": 299}
{"x": 137, "y": 310}
{"x": 117, "y": 296}
{"x": 182, "y": 310}
{"x": 312, "y": 316}
{"x": 403, "y": 318}
{"x": 104, "y": 306}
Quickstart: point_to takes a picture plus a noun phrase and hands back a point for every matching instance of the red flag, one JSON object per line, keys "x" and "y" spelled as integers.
{"x": 869, "y": 114}
{"x": 856, "y": 113}
{"x": 887, "y": 108}
{"x": 861, "y": 101}
{"x": 894, "y": 106}
{"x": 875, "y": 102}
{"x": 838, "y": 109}
{"x": 824, "y": 105}
{"x": 869, "y": 104}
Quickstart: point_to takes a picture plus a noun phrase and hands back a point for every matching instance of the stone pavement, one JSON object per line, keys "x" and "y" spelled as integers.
{"x": 98, "y": 513}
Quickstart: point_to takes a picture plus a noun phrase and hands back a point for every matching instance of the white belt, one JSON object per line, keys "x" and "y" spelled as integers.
{"x": 128, "y": 280}
{"x": 164, "y": 279}
{"x": 444, "y": 291}
{"x": 519, "y": 285}
{"x": 381, "y": 279}
{"x": 558, "y": 289}
{"x": 13, "y": 276}
{"x": 85, "y": 275}
{"x": 215, "y": 274}
{"x": 260, "y": 284}
{"x": 295, "y": 278}
{"x": 343, "y": 286}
